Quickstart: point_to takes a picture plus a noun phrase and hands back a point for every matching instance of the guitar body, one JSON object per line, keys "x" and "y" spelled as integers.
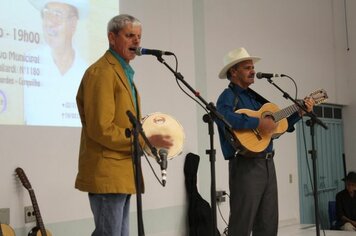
{"x": 6, "y": 230}
{"x": 36, "y": 231}
{"x": 253, "y": 141}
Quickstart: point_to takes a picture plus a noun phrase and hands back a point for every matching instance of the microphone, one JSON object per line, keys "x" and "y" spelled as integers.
{"x": 261, "y": 75}
{"x": 144, "y": 51}
{"x": 163, "y": 153}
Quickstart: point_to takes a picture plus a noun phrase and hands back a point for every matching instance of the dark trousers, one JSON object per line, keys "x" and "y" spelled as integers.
{"x": 253, "y": 197}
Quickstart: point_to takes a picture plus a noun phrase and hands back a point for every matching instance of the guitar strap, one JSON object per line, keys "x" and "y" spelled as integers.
{"x": 257, "y": 96}
{"x": 236, "y": 100}
{"x": 0, "y": 230}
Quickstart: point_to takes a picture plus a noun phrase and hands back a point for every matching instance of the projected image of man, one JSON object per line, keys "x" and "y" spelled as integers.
{"x": 52, "y": 102}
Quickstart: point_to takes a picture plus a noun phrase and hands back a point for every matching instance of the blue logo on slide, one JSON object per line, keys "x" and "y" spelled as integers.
{"x": 3, "y": 101}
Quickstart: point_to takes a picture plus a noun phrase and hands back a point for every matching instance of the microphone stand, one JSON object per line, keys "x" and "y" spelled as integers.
{"x": 311, "y": 122}
{"x": 207, "y": 118}
{"x": 136, "y": 130}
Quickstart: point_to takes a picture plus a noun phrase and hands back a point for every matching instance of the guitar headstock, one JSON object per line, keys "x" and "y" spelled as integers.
{"x": 319, "y": 96}
{"x": 22, "y": 176}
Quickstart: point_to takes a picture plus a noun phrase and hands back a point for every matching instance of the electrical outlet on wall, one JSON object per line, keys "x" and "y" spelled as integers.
{"x": 29, "y": 214}
{"x": 220, "y": 196}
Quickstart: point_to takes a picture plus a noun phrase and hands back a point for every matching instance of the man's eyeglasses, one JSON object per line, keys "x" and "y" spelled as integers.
{"x": 55, "y": 15}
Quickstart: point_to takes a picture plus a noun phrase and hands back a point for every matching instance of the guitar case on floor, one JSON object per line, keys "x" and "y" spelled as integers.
{"x": 200, "y": 218}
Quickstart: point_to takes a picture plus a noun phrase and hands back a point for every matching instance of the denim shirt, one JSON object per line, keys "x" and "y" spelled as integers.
{"x": 227, "y": 104}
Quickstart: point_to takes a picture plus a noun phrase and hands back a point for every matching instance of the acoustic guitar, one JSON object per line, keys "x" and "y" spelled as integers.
{"x": 6, "y": 230}
{"x": 253, "y": 140}
{"x": 39, "y": 229}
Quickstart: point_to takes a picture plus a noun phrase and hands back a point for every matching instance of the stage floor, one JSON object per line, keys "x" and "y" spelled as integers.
{"x": 309, "y": 230}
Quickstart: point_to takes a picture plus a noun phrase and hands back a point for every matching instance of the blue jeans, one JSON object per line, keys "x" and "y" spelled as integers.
{"x": 111, "y": 214}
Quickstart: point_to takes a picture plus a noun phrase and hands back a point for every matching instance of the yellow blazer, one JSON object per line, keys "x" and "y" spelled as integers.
{"x": 105, "y": 161}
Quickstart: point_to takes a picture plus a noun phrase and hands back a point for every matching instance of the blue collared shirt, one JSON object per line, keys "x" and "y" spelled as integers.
{"x": 129, "y": 72}
{"x": 227, "y": 104}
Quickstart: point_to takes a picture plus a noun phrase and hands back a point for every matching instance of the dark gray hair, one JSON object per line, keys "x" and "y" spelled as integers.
{"x": 120, "y": 21}
{"x": 228, "y": 73}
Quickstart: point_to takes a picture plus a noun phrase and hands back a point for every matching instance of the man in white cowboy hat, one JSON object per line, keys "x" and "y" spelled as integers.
{"x": 60, "y": 67}
{"x": 252, "y": 176}
{"x": 346, "y": 204}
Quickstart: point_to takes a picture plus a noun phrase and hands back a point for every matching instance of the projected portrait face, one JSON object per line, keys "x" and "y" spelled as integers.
{"x": 59, "y": 24}
{"x": 60, "y": 67}
{"x": 44, "y": 51}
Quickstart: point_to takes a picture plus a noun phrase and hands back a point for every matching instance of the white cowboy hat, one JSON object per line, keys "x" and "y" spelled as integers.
{"x": 233, "y": 57}
{"x": 81, "y": 5}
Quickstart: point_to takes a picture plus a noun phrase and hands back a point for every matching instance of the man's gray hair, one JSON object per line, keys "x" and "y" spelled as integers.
{"x": 120, "y": 21}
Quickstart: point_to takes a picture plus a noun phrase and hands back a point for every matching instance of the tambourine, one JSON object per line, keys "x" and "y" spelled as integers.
{"x": 162, "y": 124}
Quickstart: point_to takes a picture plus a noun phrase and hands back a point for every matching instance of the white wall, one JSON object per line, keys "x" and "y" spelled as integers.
{"x": 304, "y": 39}
{"x": 350, "y": 111}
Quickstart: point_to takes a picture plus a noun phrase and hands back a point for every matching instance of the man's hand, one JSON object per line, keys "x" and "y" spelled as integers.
{"x": 309, "y": 104}
{"x": 161, "y": 141}
{"x": 267, "y": 125}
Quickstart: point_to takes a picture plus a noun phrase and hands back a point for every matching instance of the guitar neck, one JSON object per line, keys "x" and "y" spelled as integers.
{"x": 36, "y": 209}
{"x": 281, "y": 114}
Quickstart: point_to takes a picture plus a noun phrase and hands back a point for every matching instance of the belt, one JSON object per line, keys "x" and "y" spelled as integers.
{"x": 260, "y": 155}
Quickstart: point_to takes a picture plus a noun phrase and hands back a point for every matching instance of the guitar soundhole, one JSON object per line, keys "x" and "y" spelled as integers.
{"x": 268, "y": 115}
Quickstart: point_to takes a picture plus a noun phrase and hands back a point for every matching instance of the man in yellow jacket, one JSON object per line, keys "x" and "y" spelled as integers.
{"x": 106, "y": 93}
